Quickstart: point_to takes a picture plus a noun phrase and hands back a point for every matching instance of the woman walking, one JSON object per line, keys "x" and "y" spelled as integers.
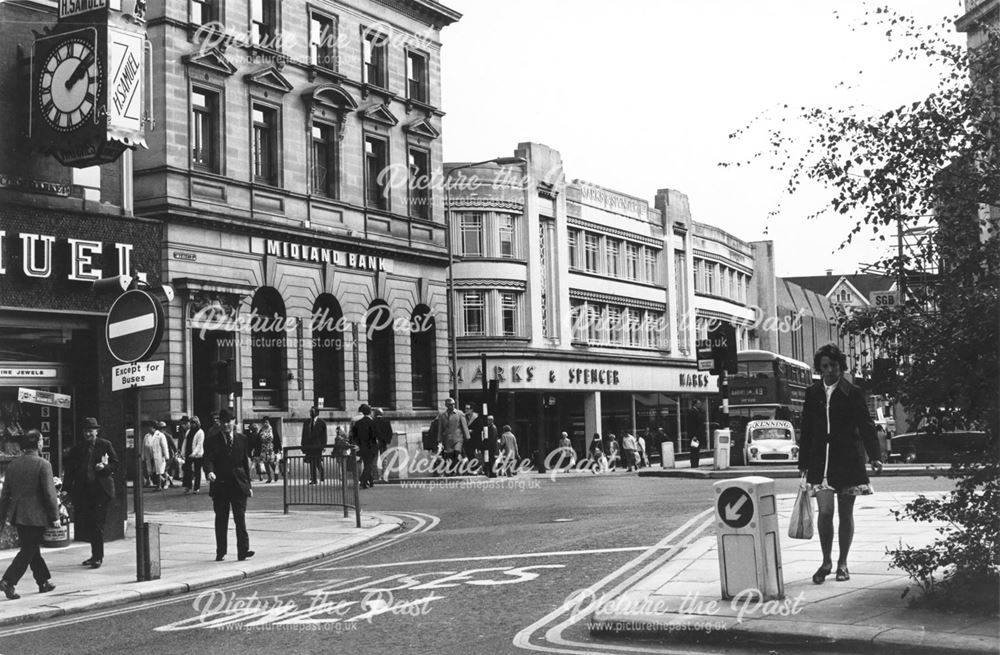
{"x": 29, "y": 495}
{"x": 837, "y": 431}
{"x": 266, "y": 451}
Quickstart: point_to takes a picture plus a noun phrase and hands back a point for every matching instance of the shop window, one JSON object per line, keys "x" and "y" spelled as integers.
{"x": 423, "y": 351}
{"x": 205, "y": 130}
{"x": 420, "y": 182}
{"x": 381, "y": 355}
{"x": 374, "y": 53}
{"x": 325, "y": 172}
{"x": 471, "y": 226}
{"x": 265, "y": 144}
{"x": 323, "y": 40}
{"x": 328, "y": 352}
{"x": 416, "y": 76}
{"x": 376, "y": 161}
{"x": 268, "y": 348}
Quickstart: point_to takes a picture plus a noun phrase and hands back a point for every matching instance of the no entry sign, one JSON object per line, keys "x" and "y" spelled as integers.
{"x": 135, "y": 326}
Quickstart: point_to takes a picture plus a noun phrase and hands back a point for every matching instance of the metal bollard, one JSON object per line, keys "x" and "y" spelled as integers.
{"x": 667, "y": 455}
{"x": 748, "y": 540}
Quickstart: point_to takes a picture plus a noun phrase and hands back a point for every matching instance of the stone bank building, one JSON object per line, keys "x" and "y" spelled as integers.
{"x": 287, "y": 135}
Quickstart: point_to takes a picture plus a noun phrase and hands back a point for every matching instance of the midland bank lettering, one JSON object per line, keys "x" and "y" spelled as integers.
{"x": 287, "y": 250}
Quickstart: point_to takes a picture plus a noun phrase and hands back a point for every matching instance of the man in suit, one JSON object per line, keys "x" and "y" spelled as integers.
{"x": 29, "y": 496}
{"x": 313, "y": 443}
{"x": 89, "y": 470}
{"x": 364, "y": 437}
{"x": 227, "y": 467}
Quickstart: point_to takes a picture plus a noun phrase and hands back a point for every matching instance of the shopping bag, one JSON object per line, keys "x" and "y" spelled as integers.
{"x": 801, "y": 524}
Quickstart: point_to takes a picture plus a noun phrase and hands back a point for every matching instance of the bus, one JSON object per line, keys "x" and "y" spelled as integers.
{"x": 766, "y": 386}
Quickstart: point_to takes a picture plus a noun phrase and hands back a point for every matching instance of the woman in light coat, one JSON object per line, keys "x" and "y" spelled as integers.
{"x": 156, "y": 452}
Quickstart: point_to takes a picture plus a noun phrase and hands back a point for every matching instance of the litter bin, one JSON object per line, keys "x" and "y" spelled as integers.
{"x": 667, "y": 455}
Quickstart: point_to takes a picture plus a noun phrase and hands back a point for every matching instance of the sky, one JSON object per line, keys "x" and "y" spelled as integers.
{"x": 640, "y": 95}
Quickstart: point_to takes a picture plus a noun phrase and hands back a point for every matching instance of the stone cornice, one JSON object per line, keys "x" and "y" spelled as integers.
{"x": 611, "y": 299}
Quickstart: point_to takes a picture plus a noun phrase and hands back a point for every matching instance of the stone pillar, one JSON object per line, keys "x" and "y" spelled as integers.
{"x": 592, "y": 416}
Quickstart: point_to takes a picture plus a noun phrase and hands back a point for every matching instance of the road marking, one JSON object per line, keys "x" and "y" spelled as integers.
{"x": 424, "y": 523}
{"x": 130, "y": 326}
{"x": 554, "y": 635}
{"x": 563, "y": 553}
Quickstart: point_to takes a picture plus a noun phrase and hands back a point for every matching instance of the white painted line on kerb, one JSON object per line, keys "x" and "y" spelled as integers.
{"x": 130, "y": 326}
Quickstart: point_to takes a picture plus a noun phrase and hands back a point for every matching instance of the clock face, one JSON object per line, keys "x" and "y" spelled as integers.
{"x": 68, "y": 85}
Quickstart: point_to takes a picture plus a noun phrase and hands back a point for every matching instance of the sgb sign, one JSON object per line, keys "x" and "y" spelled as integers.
{"x": 884, "y": 299}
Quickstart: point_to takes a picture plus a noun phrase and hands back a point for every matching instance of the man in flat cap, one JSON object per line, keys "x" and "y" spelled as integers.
{"x": 90, "y": 469}
{"x": 227, "y": 467}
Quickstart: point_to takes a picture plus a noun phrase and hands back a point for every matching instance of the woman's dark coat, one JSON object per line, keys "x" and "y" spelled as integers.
{"x": 852, "y": 433}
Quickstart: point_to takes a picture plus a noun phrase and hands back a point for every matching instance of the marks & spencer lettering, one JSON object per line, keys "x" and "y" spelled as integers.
{"x": 594, "y": 376}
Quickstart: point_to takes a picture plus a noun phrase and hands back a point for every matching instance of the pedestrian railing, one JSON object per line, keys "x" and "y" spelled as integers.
{"x": 335, "y": 483}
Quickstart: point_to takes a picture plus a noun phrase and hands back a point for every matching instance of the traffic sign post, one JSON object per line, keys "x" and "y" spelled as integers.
{"x": 748, "y": 539}
{"x": 133, "y": 332}
{"x": 722, "y": 340}
{"x": 135, "y": 326}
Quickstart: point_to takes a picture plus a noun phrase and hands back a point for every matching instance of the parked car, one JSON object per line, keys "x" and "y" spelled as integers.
{"x": 770, "y": 442}
{"x": 940, "y": 447}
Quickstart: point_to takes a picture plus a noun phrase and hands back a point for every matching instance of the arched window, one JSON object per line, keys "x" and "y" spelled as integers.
{"x": 268, "y": 348}
{"x": 328, "y": 352}
{"x": 381, "y": 355}
{"x": 422, "y": 355}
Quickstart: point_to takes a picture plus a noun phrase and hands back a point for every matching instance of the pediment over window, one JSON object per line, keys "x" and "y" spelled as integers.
{"x": 330, "y": 96}
{"x": 380, "y": 114}
{"x": 423, "y": 128}
{"x": 271, "y": 79}
{"x": 212, "y": 60}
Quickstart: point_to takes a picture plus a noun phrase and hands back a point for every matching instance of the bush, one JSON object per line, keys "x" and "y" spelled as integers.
{"x": 961, "y": 569}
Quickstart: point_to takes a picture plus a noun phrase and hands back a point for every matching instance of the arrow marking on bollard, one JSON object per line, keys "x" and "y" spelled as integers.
{"x": 733, "y": 510}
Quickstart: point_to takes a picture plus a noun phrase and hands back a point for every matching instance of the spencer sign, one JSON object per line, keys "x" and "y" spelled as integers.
{"x": 86, "y": 257}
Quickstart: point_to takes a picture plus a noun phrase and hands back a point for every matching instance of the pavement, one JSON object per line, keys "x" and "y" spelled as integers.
{"x": 187, "y": 556}
{"x": 681, "y": 600}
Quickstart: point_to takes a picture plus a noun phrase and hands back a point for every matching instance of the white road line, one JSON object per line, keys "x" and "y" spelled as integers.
{"x": 130, "y": 326}
{"x": 423, "y": 522}
{"x": 563, "y": 553}
{"x": 523, "y": 638}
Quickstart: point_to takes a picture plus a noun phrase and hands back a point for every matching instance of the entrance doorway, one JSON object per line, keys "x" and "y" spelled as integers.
{"x": 207, "y": 348}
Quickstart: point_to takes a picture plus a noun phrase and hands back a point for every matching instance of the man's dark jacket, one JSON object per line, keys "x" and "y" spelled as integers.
{"x": 76, "y": 467}
{"x": 230, "y": 465}
{"x": 852, "y": 432}
{"x": 313, "y": 437}
{"x": 383, "y": 432}
{"x": 364, "y": 437}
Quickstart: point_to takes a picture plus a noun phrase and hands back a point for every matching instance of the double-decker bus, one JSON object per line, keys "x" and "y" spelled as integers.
{"x": 767, "y": 386}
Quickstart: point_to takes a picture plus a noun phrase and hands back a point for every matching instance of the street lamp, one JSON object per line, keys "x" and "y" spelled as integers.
{"x": 452, "y": 330}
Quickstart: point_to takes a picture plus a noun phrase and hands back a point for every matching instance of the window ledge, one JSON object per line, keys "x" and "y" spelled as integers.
{"x": 368, "y": 89}
{"x": 412, "y": 104}
{"x": 316, "y": 71}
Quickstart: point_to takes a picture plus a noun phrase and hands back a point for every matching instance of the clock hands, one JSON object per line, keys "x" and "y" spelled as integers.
{"x": 80, "y": 71}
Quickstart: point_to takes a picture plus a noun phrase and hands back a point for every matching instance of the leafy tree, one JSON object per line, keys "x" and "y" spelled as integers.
{"x": 936, "y": 158}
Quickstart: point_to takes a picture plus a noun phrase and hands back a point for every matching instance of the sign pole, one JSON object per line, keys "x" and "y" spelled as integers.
{"x": 724, "y": 390}
{"x": 141, "y": 547}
